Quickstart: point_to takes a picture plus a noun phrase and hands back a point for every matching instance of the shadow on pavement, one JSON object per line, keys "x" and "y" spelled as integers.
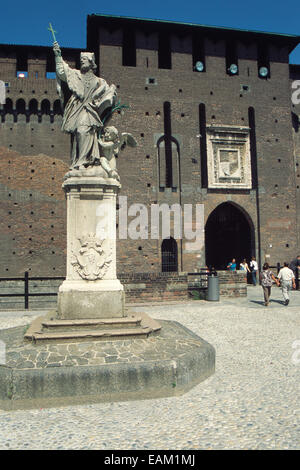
{"x": 281, "y": 302}
{"x": 259, "y": 302}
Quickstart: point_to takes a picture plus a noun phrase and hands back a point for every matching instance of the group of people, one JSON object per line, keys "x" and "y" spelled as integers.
{"x": 286, "y": 278}
{"x": 232, "y": 266}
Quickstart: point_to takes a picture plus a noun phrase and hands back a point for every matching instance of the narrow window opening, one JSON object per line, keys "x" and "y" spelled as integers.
{"x": 33, "y": 107}
{"x": 45, "y": 107}
{"x": 295, "y": 122}
{"x": 168, "y": 144}
{"x": 168, "y": 149}
{"x": 129, "y": 48}
{"x": 263, "y": 61}
{"x": 253, "y": 151}
{"x": 198, "y": 54}
{"x": 231, "y": 58}
{"x": 20, "y": 106}
{"x": 51, "y": 75}
{"x": 8, "y": 107}
{"x": 203, "y": 147}
{"x": 57, "y": 109}
{"x": 164, "y": 51}
{"x": 22, "y": 74}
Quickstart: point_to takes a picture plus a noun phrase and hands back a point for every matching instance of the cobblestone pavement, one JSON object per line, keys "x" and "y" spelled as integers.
{"x": 251, "y": 402}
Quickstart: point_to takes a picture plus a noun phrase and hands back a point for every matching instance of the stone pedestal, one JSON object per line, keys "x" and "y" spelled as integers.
{"x": 91, "y": 289}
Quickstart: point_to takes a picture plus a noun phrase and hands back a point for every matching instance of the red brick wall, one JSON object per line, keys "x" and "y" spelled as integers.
{"x": 146, "y": 287}
{"x": 32, "y": 215}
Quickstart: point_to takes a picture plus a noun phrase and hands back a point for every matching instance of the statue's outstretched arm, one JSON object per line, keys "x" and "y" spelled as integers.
{"x": 60, "y": 65}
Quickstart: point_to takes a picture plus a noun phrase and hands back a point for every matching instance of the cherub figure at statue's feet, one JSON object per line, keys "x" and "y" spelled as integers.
{"x": 109, "y": 147}
{"x": 110, "y": 144}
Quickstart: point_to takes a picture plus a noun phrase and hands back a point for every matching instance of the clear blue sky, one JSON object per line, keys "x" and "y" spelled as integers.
{"x": 26, "y": 22}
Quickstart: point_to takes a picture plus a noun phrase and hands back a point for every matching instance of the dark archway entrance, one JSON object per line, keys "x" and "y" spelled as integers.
{"x": 169, "y": 255}
{"x": 229, "y": 233}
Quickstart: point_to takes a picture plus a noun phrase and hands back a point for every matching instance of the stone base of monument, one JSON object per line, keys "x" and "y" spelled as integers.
{"x": 99, "y": 299}
{"x": 52, "y": 329}
{"x": 55, "y": 372}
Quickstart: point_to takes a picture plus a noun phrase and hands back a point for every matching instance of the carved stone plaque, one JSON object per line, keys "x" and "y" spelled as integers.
{"x": 228, "y": 157}
{"x": 91, "y": 262}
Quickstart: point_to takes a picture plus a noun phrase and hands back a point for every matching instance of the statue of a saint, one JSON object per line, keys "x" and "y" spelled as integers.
{"x": 90, "y": 98}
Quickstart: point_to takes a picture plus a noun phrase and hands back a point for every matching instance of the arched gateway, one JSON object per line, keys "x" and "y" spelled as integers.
{"x": 229, "y": 233}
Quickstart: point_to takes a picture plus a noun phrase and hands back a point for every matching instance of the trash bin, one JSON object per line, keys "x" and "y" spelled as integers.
{"x": 213, "y": 291}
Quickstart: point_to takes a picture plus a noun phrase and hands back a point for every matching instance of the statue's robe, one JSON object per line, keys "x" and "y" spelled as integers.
{"x": 91, "y": 96}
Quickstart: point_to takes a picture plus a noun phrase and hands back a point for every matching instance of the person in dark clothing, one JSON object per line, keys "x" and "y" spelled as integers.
{"x": 295, "y": 267}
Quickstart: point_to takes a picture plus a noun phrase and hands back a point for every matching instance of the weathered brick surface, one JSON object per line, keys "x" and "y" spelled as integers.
{"x": 154, "y": 287}
{"x": 140, "y": 287}
{"x": 232, "y": 284}
{"x": 32, "y": 215}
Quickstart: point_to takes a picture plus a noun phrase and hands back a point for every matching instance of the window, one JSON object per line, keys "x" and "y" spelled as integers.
{"x": 50, "y": 75}
{"x": 169, "y": 255}
{"x": 57, "y": 108}
{"x": 164, "y": 51}
{"x": 168, "y": 151}
{"x": 203, "y": 147}
{"x": 253, "y": 151}
{"x": 129, "y": 48}
{"x": 22, "y": 74}
{"x": 45, "y": 107}
{"x": 33, "y": 106}
{"x": 20, "y": 106}
{"x": 231, "y": 58}
{"x": 198, "y": 54}
{"x": 263, "y": 61}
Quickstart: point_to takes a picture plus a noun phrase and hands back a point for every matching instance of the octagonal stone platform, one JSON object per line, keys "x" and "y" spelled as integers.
{"x": 45, "y": 374}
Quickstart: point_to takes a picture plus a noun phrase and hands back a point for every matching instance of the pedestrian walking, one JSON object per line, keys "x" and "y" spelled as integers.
{"x": 254, "y": 269}
{"x": 287, "y": 282}
{"x": 267, "y": 277}
{"x": 232, "y": 266}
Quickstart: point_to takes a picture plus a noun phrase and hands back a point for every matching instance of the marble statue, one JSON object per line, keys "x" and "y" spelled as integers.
{"x": 91, "y": 97}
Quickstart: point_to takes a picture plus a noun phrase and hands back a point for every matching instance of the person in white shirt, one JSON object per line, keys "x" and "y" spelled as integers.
{"x": 244, "y": 266}
{"x": 287, "y": 282}
{"x": 254, "y": 269}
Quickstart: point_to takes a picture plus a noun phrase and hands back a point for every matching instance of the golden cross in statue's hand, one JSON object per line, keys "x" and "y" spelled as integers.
{"x": 52, "y": 31}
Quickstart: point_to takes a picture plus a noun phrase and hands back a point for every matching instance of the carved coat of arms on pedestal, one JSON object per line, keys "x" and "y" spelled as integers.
{"x": 91, "y": 262}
